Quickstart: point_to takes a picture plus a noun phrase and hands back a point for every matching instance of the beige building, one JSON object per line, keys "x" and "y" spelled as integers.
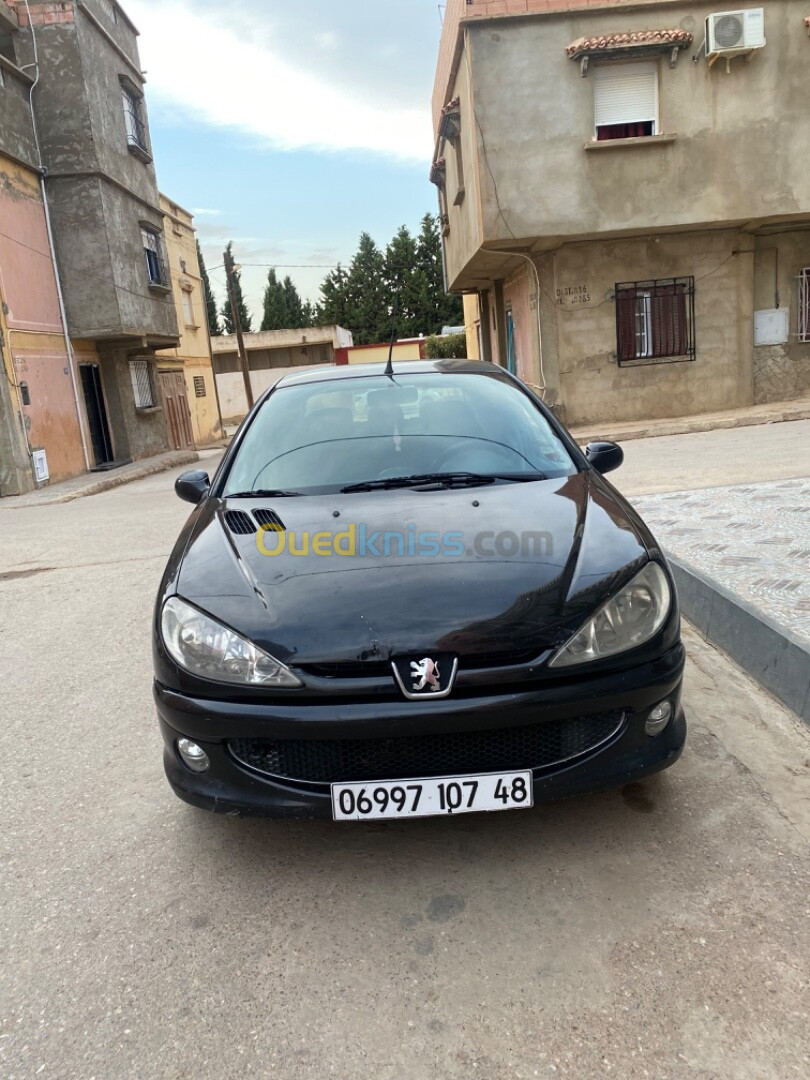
{"x": 185, "y": 373}
{"x": 271, "y": 355}
{"x": 627, "y": 199}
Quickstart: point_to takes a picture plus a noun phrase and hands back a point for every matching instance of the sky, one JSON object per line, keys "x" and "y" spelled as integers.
{"x": 290, "y": 126}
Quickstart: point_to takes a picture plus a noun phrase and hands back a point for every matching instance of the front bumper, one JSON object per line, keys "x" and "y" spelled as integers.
{"x": 230, "y": 787}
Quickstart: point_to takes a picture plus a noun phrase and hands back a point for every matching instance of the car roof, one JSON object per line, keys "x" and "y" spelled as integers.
{"x": 401, "y": 367}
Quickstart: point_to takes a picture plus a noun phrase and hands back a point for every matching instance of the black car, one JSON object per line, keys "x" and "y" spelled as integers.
{"x": 412, "y": 594}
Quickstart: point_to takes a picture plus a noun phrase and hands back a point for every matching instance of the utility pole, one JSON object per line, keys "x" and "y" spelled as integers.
{"x": 230, "y": 266}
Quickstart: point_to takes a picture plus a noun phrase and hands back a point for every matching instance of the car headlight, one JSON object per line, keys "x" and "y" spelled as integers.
{"x": 634, "y": 615}
{"x": 205, "y": 647}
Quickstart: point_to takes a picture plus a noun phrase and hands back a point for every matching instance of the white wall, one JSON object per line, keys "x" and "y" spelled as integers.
{"x": 231, "y": 387}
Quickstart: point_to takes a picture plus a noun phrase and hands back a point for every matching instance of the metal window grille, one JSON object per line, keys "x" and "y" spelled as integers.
{"x": 153, "y": 252}
{"x": 804, "y": 304}
{"x": 142, "y": 384}
{"x": 655, "y": 321}
{"x": 199, "y": 386}
{"x": 133, "y": 118}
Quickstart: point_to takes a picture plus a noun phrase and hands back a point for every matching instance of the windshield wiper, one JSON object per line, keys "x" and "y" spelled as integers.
{"x": 262, "y": 493}
{"x": 441, "y": 479}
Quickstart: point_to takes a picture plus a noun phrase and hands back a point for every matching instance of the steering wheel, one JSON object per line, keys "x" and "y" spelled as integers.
{"x": 463, "y": 457}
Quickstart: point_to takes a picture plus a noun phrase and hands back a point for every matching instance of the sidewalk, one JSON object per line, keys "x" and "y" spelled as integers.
{"x": 625, "y": 430}
{"x": 741, "y": 559}
{"x": 93, "y": 483}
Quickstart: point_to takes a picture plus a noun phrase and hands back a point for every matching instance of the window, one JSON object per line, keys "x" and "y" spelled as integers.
{"x": 804, "y": 304}
{"x": 323, "y": 436}
{"x": 109, "y": 10}
{"x": 626, "y": 101}
{"x": 155, "y": 263}
{"x": 655, "y": 320}
{"x": 199, "y": 386}
{"x": 188, "y": 307}
{"x": 142, "y": 384}
{"x": 133, "y": 118}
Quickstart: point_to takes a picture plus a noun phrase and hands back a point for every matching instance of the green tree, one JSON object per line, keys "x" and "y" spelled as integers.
{"x": 369, "y": 301}
{"x": 274, "y": 316}
{"x": 227, "y": 314}
{"x": 210, "y": 301}
{"x": 400, "y": 267}
{"x": 450, "y": 347}
{"x": 283, "y": 307}
{"x": 434, "y": 307}
{"x": 332, "y": 309}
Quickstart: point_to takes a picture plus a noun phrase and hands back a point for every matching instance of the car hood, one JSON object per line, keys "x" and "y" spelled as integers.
{"x": 522, "y": 568}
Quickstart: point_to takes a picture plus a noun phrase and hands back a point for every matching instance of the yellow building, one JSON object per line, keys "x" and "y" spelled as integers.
{"x": 185, "y": 373}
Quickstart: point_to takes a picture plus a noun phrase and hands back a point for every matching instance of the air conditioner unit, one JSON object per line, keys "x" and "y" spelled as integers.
{"x": 729, "y": 32}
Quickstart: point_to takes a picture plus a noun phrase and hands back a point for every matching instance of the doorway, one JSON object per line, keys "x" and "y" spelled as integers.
{"x": 178, "y": 413}
{"x": 96, "y": 415}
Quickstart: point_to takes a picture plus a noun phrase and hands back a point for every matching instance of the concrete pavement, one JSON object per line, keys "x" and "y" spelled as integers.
{"x": 661, "y": 930}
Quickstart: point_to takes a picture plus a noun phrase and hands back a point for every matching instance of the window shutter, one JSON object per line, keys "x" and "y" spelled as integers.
{"x": 626, "y": 94}
{"x": 626, "y": 325}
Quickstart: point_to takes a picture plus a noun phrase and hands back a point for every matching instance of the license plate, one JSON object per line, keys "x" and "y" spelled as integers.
{"x": 434, "y": 796}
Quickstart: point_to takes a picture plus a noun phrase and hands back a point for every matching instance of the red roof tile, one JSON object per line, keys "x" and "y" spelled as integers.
{"x": 627, "y": 40}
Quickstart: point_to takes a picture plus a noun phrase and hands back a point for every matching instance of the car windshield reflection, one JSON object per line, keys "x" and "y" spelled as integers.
{"x": 325, "y": 436}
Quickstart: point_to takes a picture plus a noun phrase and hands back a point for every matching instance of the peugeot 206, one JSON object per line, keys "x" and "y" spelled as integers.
{"x": 407, "y": 592}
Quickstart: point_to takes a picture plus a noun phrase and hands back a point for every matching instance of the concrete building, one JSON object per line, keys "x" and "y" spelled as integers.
{"x": 404, "y": 349}
{"x": 185, "y": 373}
{"x": 107, "y": 222}
{"x": 628, "y": 201}
{"x": 271, "y": 355}
{"x": 40, "y": 411}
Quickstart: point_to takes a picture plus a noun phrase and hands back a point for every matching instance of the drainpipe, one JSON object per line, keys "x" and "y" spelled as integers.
{"x": 51, "y": 246}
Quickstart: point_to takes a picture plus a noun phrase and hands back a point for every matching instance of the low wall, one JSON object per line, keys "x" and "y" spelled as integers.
{"x": 231, "y": 387}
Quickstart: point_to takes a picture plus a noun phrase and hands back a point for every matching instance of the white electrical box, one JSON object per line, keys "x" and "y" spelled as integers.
{"x": 40, "y": 460}
{"x": 771, "y": 326}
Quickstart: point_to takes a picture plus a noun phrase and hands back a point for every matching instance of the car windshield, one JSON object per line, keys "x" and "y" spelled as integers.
{"x": 328, "y": 435}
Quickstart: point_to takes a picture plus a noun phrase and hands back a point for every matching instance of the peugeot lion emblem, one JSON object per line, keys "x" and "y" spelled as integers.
{"x": 428, "y": 677}
{"x": 425, "y": 673}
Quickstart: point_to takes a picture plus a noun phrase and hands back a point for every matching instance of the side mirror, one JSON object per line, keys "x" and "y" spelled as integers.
{"x": 192, "y": 486}
{"x": 604, "y": 456}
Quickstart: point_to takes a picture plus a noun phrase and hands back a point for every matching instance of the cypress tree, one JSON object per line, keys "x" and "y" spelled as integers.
{"x": 244, "y": 314}
{"x": 210, "y": 302}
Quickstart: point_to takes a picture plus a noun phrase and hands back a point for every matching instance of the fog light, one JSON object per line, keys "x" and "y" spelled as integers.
{"x": 194, "y": 756}
{"x": 658, "y": 719}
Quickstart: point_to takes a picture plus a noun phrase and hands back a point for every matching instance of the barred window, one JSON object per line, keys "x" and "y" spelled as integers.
{"x": 655, "y": 321}
{"x": 804, "y": 304}
{"x": 142, "y": 384}
{"x": 199, "y": 386}
{"x": 155, "y": 262}
{"x": 133, "y": 117}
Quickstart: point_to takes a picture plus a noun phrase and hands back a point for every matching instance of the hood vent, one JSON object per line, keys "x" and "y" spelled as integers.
{"x": 240, "y": 523}
{"x": 269, "y": 519}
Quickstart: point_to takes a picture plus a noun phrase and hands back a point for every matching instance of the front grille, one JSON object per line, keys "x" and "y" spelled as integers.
{"x": 370, "y": 669}
{"x": 328, "y": 761}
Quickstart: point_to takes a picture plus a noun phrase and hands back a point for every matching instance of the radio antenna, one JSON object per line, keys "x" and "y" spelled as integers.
{"x": 389, "y": 367}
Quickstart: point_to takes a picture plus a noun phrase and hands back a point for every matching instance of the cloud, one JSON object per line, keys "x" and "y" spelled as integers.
{"x": 228, "y": 80}
{"x": 201, "y": 211}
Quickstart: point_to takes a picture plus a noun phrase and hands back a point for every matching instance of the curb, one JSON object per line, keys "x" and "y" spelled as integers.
{"x": 105, "y": 483}
{"x": 687, "y": 426}
{"x": 769, "y": 653}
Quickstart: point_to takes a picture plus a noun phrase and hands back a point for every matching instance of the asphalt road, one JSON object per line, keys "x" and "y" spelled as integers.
{"x": 656, "y": 931}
